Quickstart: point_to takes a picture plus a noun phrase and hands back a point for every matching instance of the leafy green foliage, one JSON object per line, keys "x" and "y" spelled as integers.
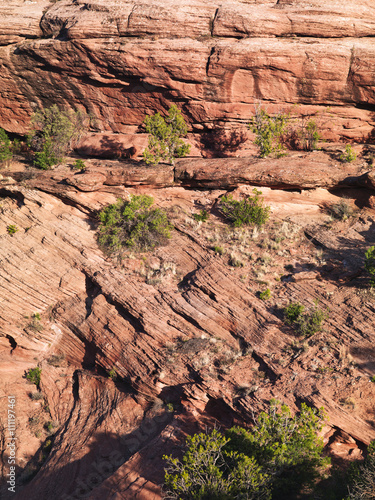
{"x": 6, "y": 153}
{"x": 133, "y": 224}
{"x": 277, "y": 458}
{"x": 370, "y": 264}
{"x": 268, "y": 131}
{"x": 209, "y": 471}
{"x": 265, "y": 295}
{"x": 348, "y": 155}
{"x": 12, "y": 229}
{"x": 202, "y": 216}
{"x": 54, "y": 133}
{"x": 33, "y": 375}
{"x": 310, "y": 135}
{"x": 112, "y": 374}
{"x": 307, "y": 323}
{"x": 292, "y": 312}
{"x": 79, "y": 164}
{"x": 165, "y": 141}
{"x": 250, "y": 210}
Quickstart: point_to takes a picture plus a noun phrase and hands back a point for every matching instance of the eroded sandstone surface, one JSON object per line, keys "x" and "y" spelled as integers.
{"x": 182, "y": 331}
{"x": 122, "y": 59}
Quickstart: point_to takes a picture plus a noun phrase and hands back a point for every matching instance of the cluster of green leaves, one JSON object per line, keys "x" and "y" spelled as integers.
{"x": 53, "y": 134}
{"x": 12, "y": 229}
{"x": 250, "y": 210}
{"x": 202, "y": 216}
{"x": 348, "y": 155}
{"x": 268, "y": 130}
{"x": 33, "y": 375}
{"x": 370, "y": 264}
{"x": 265, "y": 295}
{"x": 133, "y": 224}
{"x": 79, "y": 164}
{"x": 6, "y": 152}
{"x": 278, "y": 458}
{"x": 310, "y": 135}
{"x": 306, "y": 323}
{"x": 165, "y": 141}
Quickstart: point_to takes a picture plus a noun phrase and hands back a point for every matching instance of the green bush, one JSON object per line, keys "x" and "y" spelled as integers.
{"x": 54, "y": 133}
{"x": 268, "y": 131}
{"x": 79, "y": 164}
{"x": 202, "y": 216}
{"x": 310, "y": 135}
{"x": 250, "y": 210}
{"x": 12, "y": 229}
{"x": 165, "y": 141}
{"x": 306, "y": 323}
{"x": 278, "y": 458}
{"x": 265, "y": 295}
{"x": 33, "y": 375}
{"x": 348, "y": 155}
{"x": 6, "y": 153}
{"x": 133, "y": 224}
{"x": 370, "y": 264}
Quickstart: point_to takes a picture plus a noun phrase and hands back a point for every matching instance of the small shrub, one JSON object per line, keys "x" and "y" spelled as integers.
{"x": 341, "y": 210}
{"x": 165, "y": 141}
{"x": 36, "y": 396}
{"x": 6, "y": 153}
{"x": 79, "y": 164}
{"x": 370, "y": 264}
{"x": 234, "y": 261}
{"x": 12, "y": 229}
{"x": 218, "y": 249}
{"x": 56, "y": 360}
{"x": 265, "y": 295}
{"x": 348, "y": 155}
{"x": 202, "y": 216}
{"x": 112, "y": 374}
{"x": 247, "y": 211}
{"x": 133, "y": 224}
{"x": 55, "y": 132}
{"x": 362, "y": 477}
{"x": 307, "y": 323}
{"x": 268, "y": 130}
{"x": 372, "y": 379}
{"x": 33, "y": 375}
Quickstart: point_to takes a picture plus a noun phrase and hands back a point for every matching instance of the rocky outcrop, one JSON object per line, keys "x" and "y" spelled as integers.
{"x": 182, "y": 332}
{"x": 121, "y": 60}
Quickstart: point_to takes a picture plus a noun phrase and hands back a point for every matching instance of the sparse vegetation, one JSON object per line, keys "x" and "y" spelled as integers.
{"x": 265, "y": 295}
{"x": 165, "y": 141}
{"x": 133, "y": 224}
{"x": 306, "y": 323}
{"x": 250, "y": 210}
{"x": 112, "y": 374}
{"x": 79, "y": 164}
{"x": 33, "y": 375}
{"x": 202, "y": 216}
{"x": 268, "y": 131}
{"x": 6, "y": 153}
{"x": 370, "y": 264}
{"x": 341, "y": 210}
{"x": 348, "y": 155}
{"x": 12, "y": 229}
{"x": 54, "y": 133}
{"x": 277, "y": 458}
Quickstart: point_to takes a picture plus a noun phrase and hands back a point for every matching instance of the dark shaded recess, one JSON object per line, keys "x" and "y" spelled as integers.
{"x": 264, "y": 367}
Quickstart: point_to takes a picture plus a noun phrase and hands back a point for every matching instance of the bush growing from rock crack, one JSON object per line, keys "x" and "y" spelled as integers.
{"x": 54, "y": 133}
{"x": 250, "y": 210}
{"x": 307, "y": 323}
{"x": 33, "y": 375}
{"x": 165, "y": 141}
{"x": 370, "y": 264}
{"x": 268, "y": 131}
{"x": 277, "y": 458}
{"x": 133, "y": 224}
{"x": 5, "y": 148}
{"x": 349, "y": 154}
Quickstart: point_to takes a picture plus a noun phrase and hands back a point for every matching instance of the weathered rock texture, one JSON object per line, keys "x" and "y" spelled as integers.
{"x": 182, "y": 326}
{"x": 121, "y": 60}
